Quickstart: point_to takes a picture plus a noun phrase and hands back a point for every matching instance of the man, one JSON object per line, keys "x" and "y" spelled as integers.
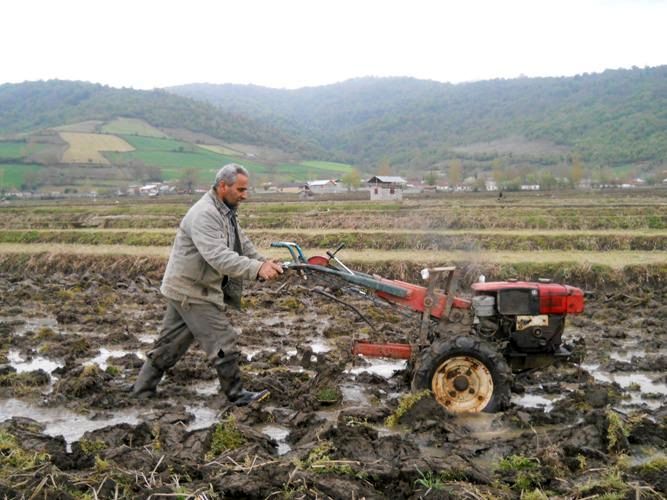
{"x": 209, "y": 260}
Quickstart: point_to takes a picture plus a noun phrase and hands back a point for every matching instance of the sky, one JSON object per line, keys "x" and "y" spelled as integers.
{"x": 147, "y": 44}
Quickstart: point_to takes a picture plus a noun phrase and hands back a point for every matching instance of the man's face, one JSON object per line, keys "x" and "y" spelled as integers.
{"x": 235, "y": 193}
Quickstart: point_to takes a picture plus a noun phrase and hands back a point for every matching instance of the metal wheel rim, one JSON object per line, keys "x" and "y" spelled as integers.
{"x": 455, "y": 372}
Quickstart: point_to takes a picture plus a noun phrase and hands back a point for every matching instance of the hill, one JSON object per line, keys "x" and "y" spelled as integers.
{"x": 32, "y": 106}
{"x": 60, "y": 134}
{"x": 616, "y": 118}
{"x": 525, "y": 130}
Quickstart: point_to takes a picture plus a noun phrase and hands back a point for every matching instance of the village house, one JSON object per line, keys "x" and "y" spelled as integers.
{"x": 386, "y": 187}
{"x": 324, "y": 186}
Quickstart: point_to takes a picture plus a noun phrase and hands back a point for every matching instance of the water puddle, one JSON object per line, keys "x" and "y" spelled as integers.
{"x": 628, "y": 381}
{"x": 207, "y": 388}
{"x": 147, "y": 338}
{"x": 384, "y": 367}
{"x": 627, "y": 356}
{"x": 63, "y": 422}
{"x": 319, "y": 346}
{"x": 354, "y": 394}
{"x": 104, "y": 355}
{"x": 279, "y": 434}
{"x": 204, "y": 417}
{"x": 535, "y": 401}
{"x": 23, "y": 325}
{"x": 35, "y": 363}
{"x": 250, "y": 353}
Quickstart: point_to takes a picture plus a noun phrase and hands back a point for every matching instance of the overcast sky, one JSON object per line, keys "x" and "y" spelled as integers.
{"x": 295, "y": 43}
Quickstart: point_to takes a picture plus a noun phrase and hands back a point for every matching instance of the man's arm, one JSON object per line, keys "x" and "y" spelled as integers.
{"x": 249, "y": 249}
{"x": 208, "y": 235}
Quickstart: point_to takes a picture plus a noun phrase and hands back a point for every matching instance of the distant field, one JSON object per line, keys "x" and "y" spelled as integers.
{"x": 221, "y": 150}
{"x": 89, "y": 126}
{"x": 12, "y": 150}
{"x": 312, "y": 170}
{"x": 173, "y": 156}
{"x": 87, "y": 148}
{"x": 613, "y": 260}
{"x": 328, "y": 166}
{"x": 12, "y": 175}
{"x": 567, "y": 235}
{"x": 129, "y": 126}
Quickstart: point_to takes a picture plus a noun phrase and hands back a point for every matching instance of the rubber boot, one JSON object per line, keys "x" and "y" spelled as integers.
{"x": 231, "y": 385}
{"x": 146, "y": 384}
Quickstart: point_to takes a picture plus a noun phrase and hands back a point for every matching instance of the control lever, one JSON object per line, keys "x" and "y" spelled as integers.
{"x": 332, "y": 255}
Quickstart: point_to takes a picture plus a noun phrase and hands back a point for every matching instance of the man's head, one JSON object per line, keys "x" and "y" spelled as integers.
{"x": 231, "y": 184}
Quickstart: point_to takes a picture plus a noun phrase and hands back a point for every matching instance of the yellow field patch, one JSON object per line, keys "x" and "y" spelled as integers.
{"x": 612, "y": 259}
{"x": 220, "y": 149}
{"x": 89, "y": 126}
{"x": 131, "y": 126}
{"x": 87, "y": 148}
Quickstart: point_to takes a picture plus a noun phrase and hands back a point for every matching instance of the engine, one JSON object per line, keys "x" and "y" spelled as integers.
{"x": 529, "y": 316}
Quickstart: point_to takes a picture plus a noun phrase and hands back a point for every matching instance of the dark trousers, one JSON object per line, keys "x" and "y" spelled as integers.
{"x": 184, "y": 323}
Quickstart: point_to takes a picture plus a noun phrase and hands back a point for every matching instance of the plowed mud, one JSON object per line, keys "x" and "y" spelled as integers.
{"x": 71, "y": 344}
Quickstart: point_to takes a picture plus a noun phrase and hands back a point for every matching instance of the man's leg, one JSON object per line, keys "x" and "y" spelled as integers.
{"x": 213, "y": 330}
{"x": 171, "y": 345}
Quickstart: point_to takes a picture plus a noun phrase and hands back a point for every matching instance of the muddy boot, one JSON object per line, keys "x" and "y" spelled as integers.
{"x": 147, "y": 380}
{"x": 231, "y": 385}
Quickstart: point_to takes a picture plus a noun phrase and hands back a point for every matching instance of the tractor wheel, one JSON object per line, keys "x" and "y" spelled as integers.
{"x": 465, "y": 374}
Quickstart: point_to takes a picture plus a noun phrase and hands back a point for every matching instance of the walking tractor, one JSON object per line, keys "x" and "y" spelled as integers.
{"x": 463, "y": 349}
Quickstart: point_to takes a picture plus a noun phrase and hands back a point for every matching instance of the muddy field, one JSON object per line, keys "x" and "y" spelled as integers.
{"x": 72, "y": 338}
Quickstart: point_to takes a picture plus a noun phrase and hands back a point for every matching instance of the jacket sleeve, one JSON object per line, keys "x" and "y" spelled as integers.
{"x": 249, "y": 249}
{"x": 207, "y": 235}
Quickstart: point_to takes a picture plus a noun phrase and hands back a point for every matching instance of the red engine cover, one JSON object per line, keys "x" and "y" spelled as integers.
{"x": 554, "y": 298}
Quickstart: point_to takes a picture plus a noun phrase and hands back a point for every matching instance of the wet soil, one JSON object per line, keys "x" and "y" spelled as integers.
{"x": 72, "y": 343}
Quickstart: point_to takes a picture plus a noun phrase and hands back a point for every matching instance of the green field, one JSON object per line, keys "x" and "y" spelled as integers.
{"x": 312, "y": 170}
{"x": 174, "y": 156}
{"x": 12, "y": 150}
{"x": 153, "y": 149}
{"x": 12, "y": 175}
{"x": 131, "y": 126}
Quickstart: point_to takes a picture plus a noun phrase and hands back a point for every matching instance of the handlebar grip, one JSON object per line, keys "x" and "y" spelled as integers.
{"x": 340, "y": 247}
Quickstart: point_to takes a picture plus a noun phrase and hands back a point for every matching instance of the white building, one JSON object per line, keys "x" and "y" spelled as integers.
{"x": 323, "y": 186}
{"x": 149, "y": 189}
{"x": 386, "y": 187}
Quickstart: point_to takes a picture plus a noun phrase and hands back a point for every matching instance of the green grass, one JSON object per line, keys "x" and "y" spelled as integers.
{"x": 327, "y": 165}
{"x": 131, "y": 126}
{"x": 172, "y": 156}
{"x": 12, "y": 150}
{"x": 312, "y": 170}
{"x": 12, "y": 175}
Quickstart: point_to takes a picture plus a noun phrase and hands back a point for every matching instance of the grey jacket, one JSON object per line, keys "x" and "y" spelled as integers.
{"x": 203, "y": 255}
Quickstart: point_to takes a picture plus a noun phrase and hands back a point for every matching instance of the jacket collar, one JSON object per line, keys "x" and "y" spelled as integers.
{"x": 220, "y": 205}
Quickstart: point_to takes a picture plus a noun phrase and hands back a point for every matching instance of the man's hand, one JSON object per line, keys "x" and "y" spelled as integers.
{"x": 270, "y": 270}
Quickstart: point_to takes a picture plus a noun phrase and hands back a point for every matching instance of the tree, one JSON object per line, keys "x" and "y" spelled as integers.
{"x": 30, "y": 181}
{"x": 384, "y": 168}
{"x": 352, "y": 179}
{"x": 154, "y": 174}
{"x": 455, "y": 175}
{"x": 188, "y": 180}
{"x": 497, "y": 170}
{"x": 431, "y": 178}
{"x": 577, "y": 171}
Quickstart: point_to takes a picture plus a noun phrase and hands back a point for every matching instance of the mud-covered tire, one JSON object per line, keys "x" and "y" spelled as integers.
{"x": 465, "y": 374}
